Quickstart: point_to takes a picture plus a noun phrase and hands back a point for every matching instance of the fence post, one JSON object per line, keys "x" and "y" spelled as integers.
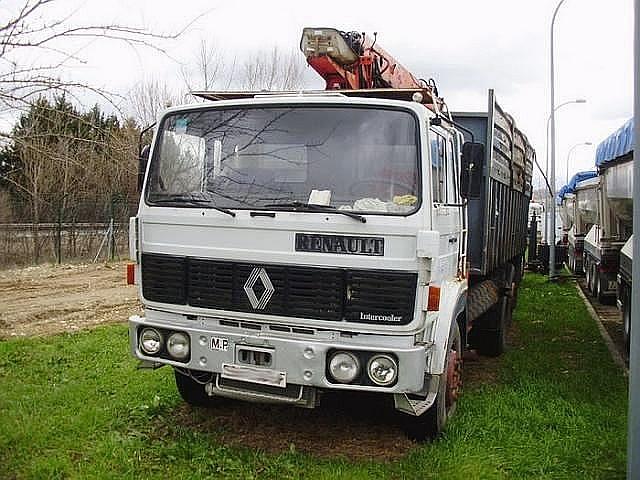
{"x": 112, "y": 241}
{"x": 59, "y": 236}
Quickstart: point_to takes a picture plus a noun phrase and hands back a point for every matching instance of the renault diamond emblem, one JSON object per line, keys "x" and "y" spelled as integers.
{"x": 259, "y": 273}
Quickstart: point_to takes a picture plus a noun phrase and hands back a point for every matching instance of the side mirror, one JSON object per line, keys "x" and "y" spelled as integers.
{"x": 471, "y": 171}
{"x": 143, "y": 158}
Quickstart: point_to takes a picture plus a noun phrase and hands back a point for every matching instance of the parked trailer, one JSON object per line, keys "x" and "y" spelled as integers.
{"x": 615, "y": 157}
{"x": 606, "y": 238}
{"x": 578, "y": 210}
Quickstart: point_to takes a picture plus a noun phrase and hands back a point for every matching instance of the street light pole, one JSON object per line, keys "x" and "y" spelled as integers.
{"x": 552, "y": 161}
{"x": 569, "y": 155}
{"x": 546, "y": 170}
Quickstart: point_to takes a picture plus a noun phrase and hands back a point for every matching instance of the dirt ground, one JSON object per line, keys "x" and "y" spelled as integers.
{"x": 48, "y": 299}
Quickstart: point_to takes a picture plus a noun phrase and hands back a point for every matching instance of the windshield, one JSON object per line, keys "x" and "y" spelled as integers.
{"x": 356, "y": 159}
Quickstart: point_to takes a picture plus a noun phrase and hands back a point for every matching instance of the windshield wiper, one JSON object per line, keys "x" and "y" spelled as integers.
{"x": 311, "y": 207}
{"x": 190, "y": 200}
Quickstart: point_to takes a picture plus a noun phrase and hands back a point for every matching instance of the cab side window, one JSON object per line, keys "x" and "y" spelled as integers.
{"x": 444, "y": 168}
{"x": 438, "y": 168}
{"x": 453, "y": 176}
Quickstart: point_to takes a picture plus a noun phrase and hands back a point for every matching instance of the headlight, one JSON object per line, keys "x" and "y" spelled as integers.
{"x": 382, "y": 370}
{"x": 150, "y": 341}
{"x": 178, "y": 345}
{"x": 344, "y": 367}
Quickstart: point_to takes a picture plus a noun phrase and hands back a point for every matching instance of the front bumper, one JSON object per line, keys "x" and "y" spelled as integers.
{"x": 300, "y": 354}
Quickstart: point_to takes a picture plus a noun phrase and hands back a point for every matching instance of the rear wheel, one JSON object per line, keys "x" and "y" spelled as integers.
{"x": 492, "y": 342}
{"x": 599, "y": 291}
{"x": 595, "y": 280}
{"x": 590, "y": 279}
{"x": 190, "y": 384}
{"x": 433, "y": 421}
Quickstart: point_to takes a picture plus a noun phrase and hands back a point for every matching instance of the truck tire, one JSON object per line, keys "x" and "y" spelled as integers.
{"x": 432, "y": 422}
{"x": 604, "y": 299}
{"x": 595, "y": 281}
{"x": 587, "y": 276}
{"x": 191, "y": 389}
{"x": 591, "y": 282}
{"x": 493, "y": 342}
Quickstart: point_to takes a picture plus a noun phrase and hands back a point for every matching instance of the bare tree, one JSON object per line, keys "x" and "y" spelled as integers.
{"x": 273, "y": 70}
{"x": 35, "y": 30}
{"x": 149, "y": 98}
{"x": 206, "y": 70}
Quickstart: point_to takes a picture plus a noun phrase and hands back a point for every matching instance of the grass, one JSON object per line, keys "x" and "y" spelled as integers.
{"x": 74, "y": 406}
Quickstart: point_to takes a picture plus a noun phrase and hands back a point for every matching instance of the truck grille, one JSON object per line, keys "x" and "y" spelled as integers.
{"x": 366, "y": 296}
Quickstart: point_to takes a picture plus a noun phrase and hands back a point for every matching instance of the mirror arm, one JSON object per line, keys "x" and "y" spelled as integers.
{"x": 438, "y": 121}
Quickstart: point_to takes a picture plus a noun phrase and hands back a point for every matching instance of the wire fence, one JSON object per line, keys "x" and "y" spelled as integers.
{"x": 84, "y": 230}
{"x": 29, "y": 243}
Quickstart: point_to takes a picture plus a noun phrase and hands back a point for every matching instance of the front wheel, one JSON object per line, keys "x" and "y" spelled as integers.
{"x": 191, "y": 386}
{"x": 431, "y": 423}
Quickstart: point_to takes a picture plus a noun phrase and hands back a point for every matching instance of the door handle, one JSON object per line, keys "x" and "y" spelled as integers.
{"x": 453, "y": 239}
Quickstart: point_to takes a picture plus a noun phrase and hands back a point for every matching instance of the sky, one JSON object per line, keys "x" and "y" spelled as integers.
{"x": 467, "y": 46}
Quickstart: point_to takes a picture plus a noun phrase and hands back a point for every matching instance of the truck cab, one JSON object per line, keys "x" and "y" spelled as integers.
{"x": 287, "y": 245}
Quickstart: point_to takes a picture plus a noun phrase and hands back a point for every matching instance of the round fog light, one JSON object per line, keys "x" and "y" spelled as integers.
{"x": 178, "y": 345}
{"x": 150, "y": 341}
{"x": 344, "y": 367}
{"x": 382, "y": 370}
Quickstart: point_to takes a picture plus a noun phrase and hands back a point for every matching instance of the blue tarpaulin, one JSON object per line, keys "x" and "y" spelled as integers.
{"x": 615, "y": 145}
{"x": 571, "y": 186}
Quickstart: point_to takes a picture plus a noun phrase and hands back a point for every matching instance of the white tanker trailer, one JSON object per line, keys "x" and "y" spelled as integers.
{"x": 608, "y": 255}
{"x": 578, "y": 210}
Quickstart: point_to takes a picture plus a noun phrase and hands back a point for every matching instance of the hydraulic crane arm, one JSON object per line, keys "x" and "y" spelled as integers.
{"x": 353, "y": 61}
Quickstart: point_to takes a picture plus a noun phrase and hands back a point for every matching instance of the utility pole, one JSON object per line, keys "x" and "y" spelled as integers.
{"x": 633, "y": 438}
{"x": 552, "y": 162}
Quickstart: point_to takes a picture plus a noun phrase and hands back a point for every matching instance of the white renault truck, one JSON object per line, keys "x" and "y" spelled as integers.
{"x": 359, "y": 239}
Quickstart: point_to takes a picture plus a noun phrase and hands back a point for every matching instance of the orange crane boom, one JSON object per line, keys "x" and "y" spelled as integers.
{"x": 353, "y": 61}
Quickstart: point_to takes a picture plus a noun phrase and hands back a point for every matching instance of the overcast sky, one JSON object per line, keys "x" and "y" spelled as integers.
{"x": 468, "y": 46}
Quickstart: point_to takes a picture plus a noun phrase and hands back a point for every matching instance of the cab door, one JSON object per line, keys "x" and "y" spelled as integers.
{"x": 447, "y": 213}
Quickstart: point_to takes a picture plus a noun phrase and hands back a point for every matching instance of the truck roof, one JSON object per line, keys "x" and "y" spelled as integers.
{"x": 405, "y": 94}
{"x": 573, "y": 184}
{"x": 616, "y": 146}
{"x": 232, "y": 99}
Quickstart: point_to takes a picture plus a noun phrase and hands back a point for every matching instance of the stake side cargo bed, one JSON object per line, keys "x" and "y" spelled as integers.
{"x": 498, "y": 217}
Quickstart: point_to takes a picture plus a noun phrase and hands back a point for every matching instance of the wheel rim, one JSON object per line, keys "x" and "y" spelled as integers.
{"x": 454, "y": 379}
